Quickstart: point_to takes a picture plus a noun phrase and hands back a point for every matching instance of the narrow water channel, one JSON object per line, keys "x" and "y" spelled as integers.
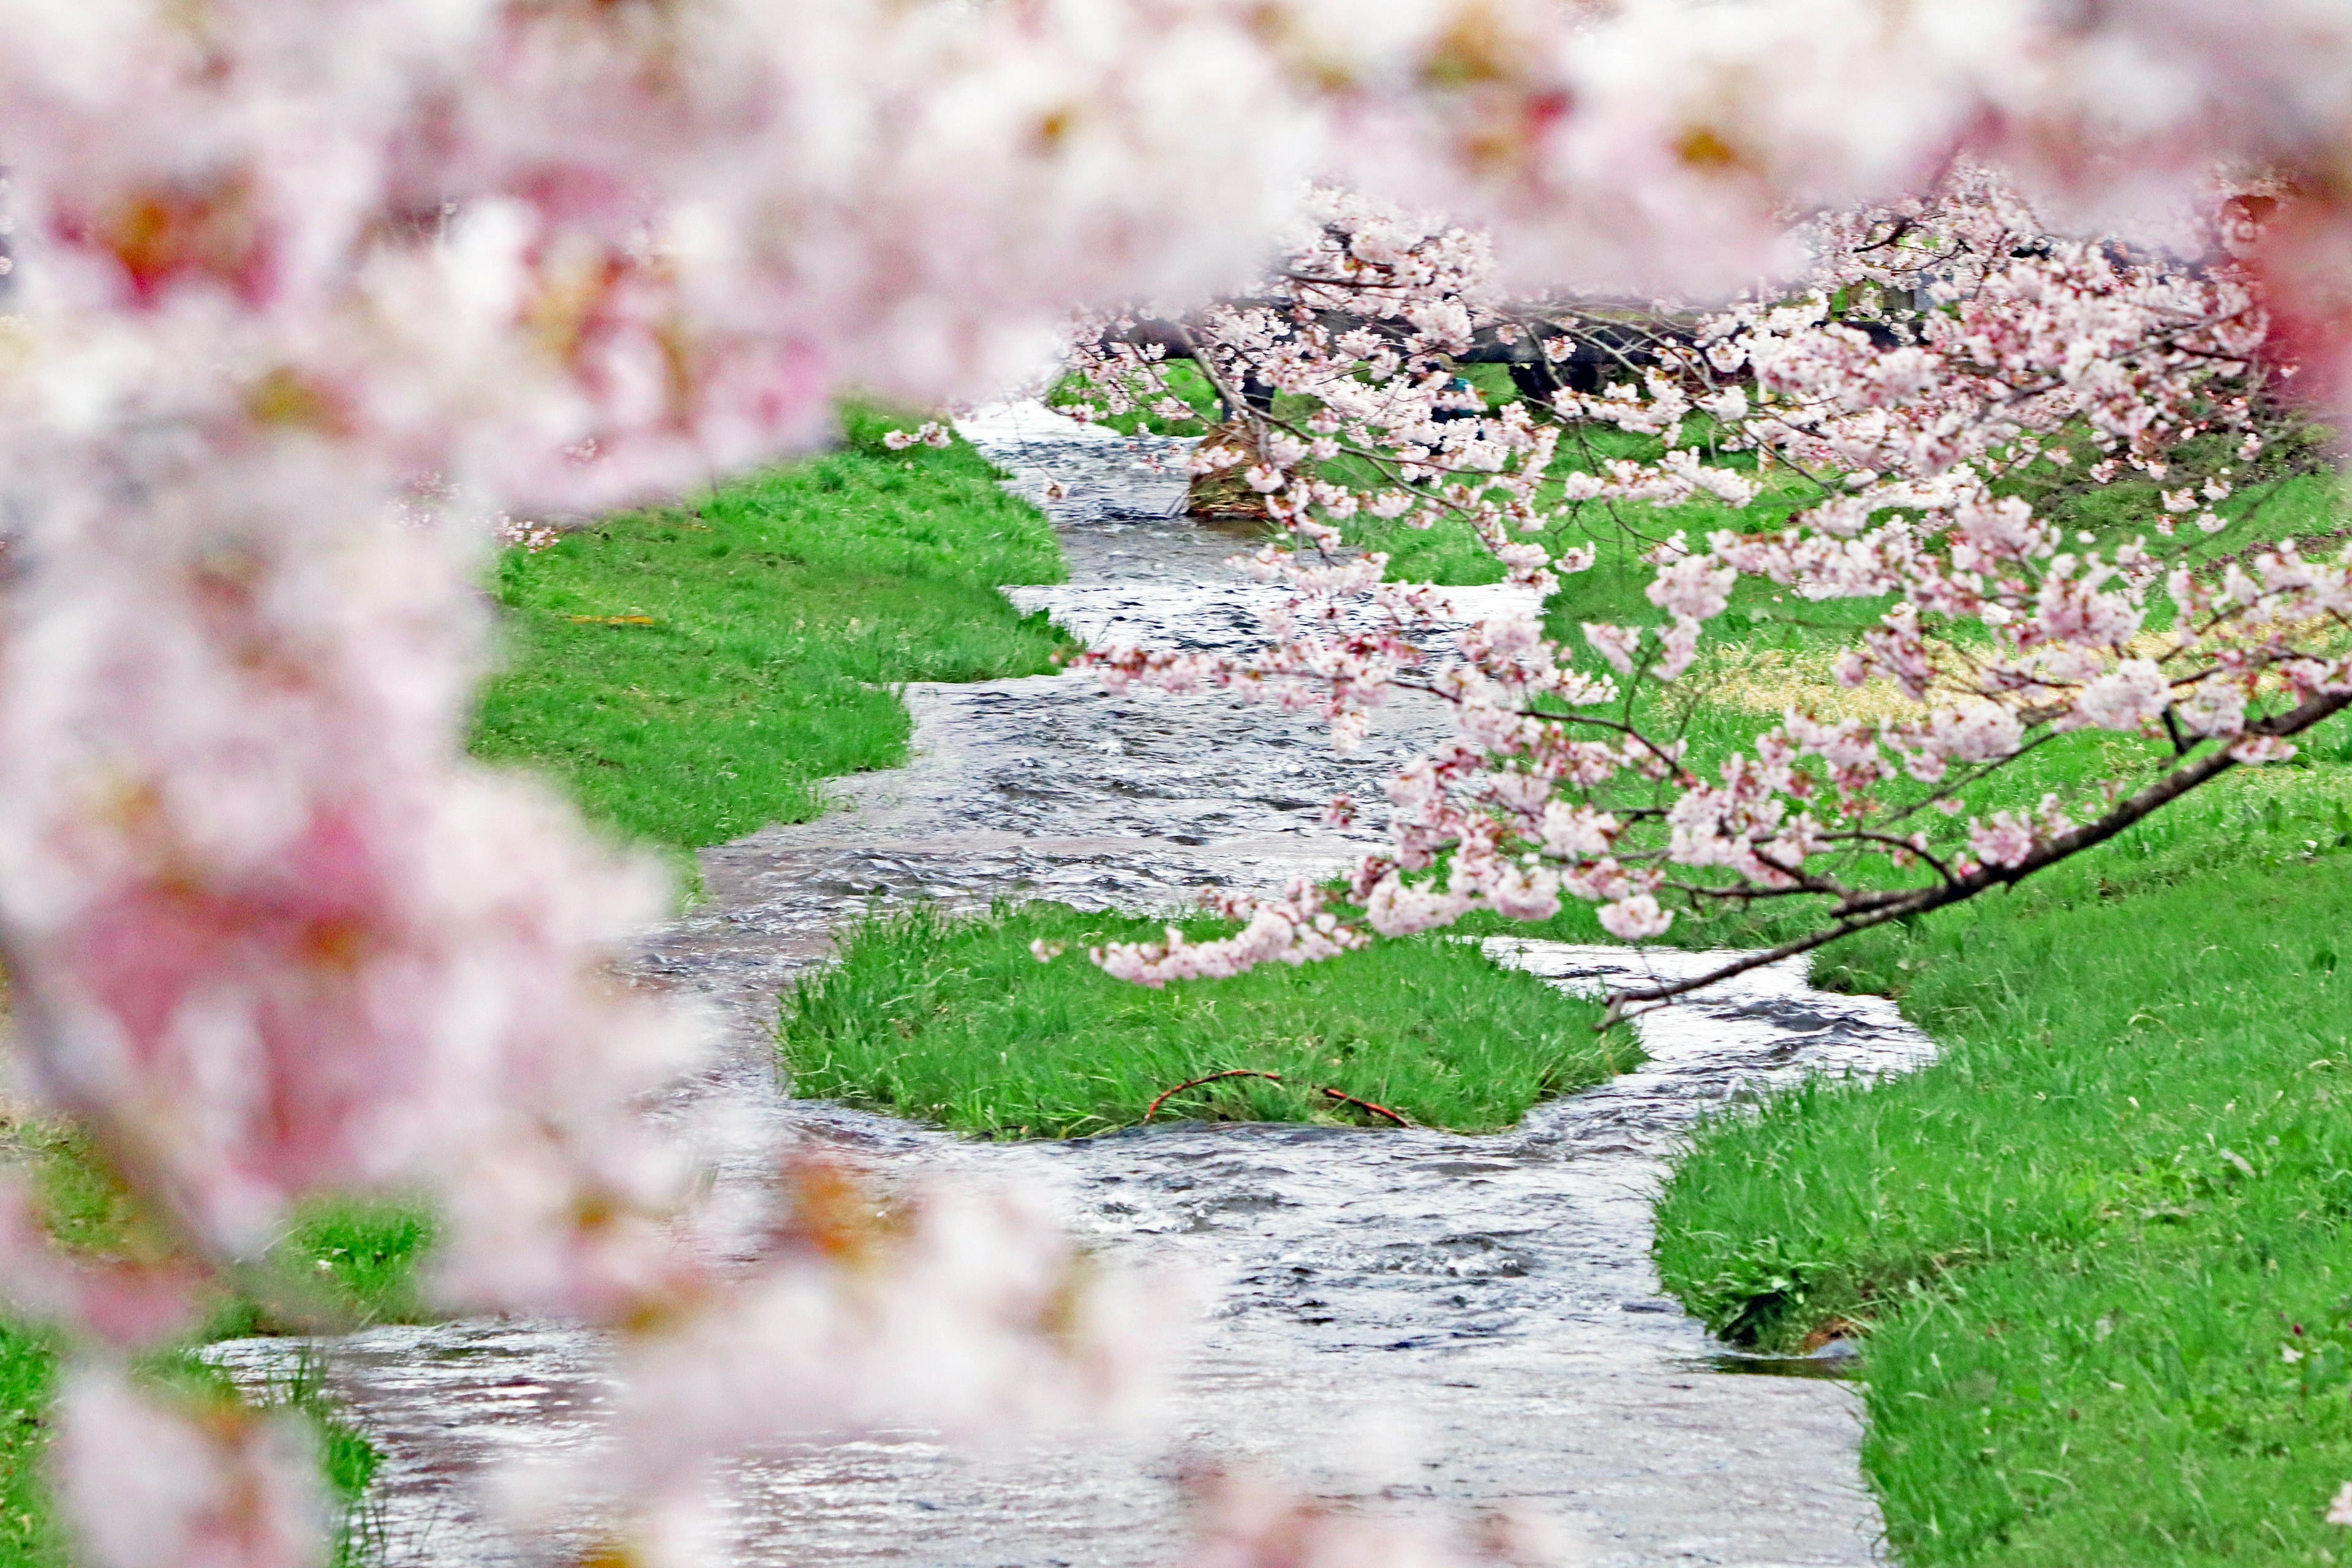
{"x": 1410, "y": 1320}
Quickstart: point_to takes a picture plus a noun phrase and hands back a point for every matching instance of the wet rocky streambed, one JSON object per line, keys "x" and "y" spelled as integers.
{"x": 1405, "y": 1319}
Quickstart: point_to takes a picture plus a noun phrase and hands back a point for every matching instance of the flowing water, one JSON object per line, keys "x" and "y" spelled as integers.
{"x": 1405, "y": 1319}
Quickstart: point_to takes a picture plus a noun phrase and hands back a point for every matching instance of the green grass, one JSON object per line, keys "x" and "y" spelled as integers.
{"x": 692, "y": 674}
{"x": 30, "y": 1533}
{"x": 953, "y": 1021}
{"x": 349, "y": 1263}
{"x": 2080, "y": 1246}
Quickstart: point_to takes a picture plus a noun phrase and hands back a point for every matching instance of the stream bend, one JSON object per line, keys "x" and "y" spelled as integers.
{"x": 1407, "y": 1318}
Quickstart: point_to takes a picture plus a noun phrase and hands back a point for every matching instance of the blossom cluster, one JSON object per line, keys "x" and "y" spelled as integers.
{"x": 309, "y": 292}
{"x": 1904, "y": 402}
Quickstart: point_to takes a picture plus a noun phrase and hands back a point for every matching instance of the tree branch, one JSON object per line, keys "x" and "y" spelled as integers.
{"x": 1869, "y": 910}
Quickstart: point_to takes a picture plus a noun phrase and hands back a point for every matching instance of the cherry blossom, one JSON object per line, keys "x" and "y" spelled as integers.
{"x": 157, "y": 1480}
{"x": 1242, "y": 1523}
{"x": 310, "y": 294}
{"x": 1940, "y": 353}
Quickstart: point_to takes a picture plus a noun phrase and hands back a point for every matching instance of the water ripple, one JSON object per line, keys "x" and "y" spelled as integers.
{"x": 1405, "y": 1318}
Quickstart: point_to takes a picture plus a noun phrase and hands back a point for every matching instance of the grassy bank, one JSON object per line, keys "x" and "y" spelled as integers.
{"x": 955, "y": 1021}
{"x": 2097, "y": 1253}
{"x": 346, "y": 1263}
{"x": 690, "y": 674}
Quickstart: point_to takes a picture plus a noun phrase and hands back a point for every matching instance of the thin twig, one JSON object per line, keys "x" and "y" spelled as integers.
{"x": 1162, "y": 1097}
{"x": 1153, "y": 1109}
{"x": 1367, "y": 1105}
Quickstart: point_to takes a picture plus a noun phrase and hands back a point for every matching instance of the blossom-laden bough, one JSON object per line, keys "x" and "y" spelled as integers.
{"x": 310, "y": 293}
{"x": 1945, "y": 352}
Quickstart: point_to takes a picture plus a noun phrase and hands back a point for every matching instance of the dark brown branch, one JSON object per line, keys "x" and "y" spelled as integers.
{"x": 1735, "y": 893}
{"x": 1806, "y": 879}
{"x": 1617, "y": 726}
{"x": 1869, "y": 909}
{"x": 1896, "y": 841}
{"x": 1235, "y": 406}
{"x": 1950, "y": 789}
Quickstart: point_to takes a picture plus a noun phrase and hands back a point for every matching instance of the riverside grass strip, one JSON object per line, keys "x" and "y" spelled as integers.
{"x": 953, "y": 1020}
{"x": 690, "y": 674}
{"x": 2099, "y": 1255}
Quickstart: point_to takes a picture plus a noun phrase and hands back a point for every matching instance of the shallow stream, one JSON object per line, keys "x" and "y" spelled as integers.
{"x": 1407, "y": 1318}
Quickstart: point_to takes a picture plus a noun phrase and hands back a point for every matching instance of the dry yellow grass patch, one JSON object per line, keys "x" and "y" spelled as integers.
{"x": 1772, "y": 680}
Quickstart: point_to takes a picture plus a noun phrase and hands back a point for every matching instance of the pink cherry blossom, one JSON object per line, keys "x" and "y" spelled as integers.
{"x": 2127, "y": 696}
{"x": 310, "y": 294}
{"x": 1636, "y": 919}
{"x": 1991, "y": 336}
{"x": 150, "y": 1480}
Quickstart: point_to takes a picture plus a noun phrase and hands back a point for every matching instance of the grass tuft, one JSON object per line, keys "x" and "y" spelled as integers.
{"x": 954, "y": 1021}
{"x": 347, "y": 1261}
